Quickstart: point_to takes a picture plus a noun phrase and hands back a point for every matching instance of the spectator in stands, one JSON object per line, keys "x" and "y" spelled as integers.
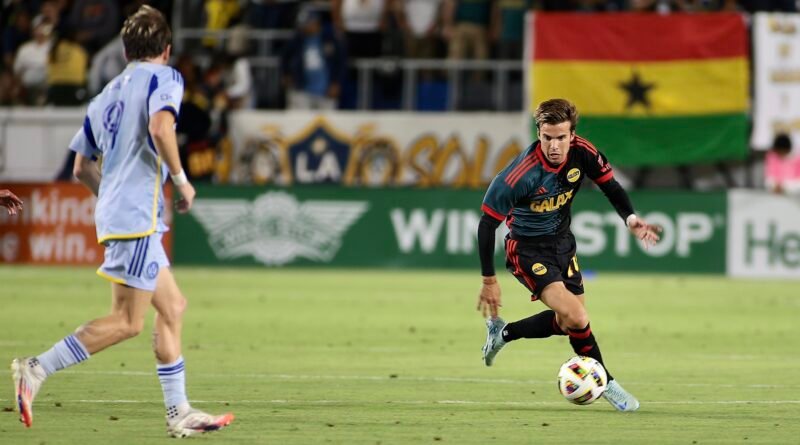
{"x": 213, "y": 86}
{"x": 769, "y": 5}
{"x": 106, "y": 65}
{"x": 313, "y": 65}
{"x": 666, "y": 6}
{"x": 237, "y": 81}
{"x": 273, "y": 14}
{"x": 466, "y": 27}
{"x": 361, "y": 22}
{"x": 57, "y": 13}
{"x": 197, "y": 153}
{"x": 508, "y": 27}
{"x": 16, "y": 30}
{"x": 782, "y": 169}
{"x": 11, "y": 91}
{"x": 8, "y": 8}
{"x": 30, "y": 65}
{"x": 219, "y": 15}
{"x": 238, "y": 74}
{"x": 420, "y": 21}
{"x": 95, "y": 22}
{"x": 600, "y": 5}
{"x": 66, "y": 72}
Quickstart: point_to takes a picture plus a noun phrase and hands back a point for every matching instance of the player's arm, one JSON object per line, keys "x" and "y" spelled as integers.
{"x": 601, "y": 173}
{"x": 618, "y": 198}
{"x": 498, "y": 202}
{"x": 164, "y": 104}
{"x": 85, "y": 169}
{"x": 162, "y": 131}
{"x": 489, "y": 298}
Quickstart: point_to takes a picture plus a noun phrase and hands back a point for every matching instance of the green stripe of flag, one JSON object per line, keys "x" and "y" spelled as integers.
{"x": 667, "y": 140}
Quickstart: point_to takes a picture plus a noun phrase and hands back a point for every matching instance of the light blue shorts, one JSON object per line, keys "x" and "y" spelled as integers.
{"x": 134, "y": 262}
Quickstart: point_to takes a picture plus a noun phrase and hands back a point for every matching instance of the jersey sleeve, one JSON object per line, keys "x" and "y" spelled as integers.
{"x": 166, "y": 92}
{"x": 501, "y": 196}
{"x": 598, "y": 169}
{"x": 84, "y": 143}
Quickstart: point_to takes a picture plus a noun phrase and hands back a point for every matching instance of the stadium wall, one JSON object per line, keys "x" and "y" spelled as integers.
{"x": 302, "y": 215}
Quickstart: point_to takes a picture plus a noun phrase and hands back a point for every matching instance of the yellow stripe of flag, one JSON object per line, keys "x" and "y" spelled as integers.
{"x": 675, "y": 88}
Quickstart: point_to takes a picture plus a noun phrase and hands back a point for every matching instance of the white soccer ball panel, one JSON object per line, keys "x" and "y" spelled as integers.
{"x": 582, "y": 380}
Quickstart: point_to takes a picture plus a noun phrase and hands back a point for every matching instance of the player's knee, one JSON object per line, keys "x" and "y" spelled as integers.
{"x": 129, "y": 328}
{"x": 576, "y": 318}
{"x": 181, "y": 306}
{"x": 173, "y": 312}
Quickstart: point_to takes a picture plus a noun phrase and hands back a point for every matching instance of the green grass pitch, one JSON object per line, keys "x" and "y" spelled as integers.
{"x": 369, "y": 357}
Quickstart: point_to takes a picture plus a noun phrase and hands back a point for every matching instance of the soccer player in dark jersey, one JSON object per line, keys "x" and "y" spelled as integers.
{"x": 533, "y": 195}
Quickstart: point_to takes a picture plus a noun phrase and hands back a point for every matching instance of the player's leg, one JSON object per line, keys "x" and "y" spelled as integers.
{"x": 572, "y": 317}
{"x": 125, "y": 320}
{"x": 182, "y": 419}
{"x": 535, "y": 267}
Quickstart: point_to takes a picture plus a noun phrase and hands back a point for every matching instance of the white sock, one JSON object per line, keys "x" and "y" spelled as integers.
{"x": 69, "y": 351}
{"x": 173, "y": 383}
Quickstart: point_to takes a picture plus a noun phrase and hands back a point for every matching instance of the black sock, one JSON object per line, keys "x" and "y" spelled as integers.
{"x": 541, "y": 325}
{"x": 583, "y": 343}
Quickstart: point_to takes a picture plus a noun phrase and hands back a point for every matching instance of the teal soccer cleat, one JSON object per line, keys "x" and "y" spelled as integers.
{"x": 619, "y": 398}
{"x": 494, "y": 339}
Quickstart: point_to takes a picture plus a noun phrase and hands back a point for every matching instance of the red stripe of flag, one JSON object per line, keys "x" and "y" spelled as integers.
{"x": 630, "y": 37}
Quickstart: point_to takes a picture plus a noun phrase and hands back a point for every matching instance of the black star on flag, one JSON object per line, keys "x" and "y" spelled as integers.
{"x": 637, "y": 91}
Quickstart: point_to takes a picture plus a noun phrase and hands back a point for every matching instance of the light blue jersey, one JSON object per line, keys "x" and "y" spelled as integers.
{"x": 130, "y": 202}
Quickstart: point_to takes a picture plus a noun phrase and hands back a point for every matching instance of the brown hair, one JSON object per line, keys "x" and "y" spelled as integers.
{"x": 556, "y": 111}
{"x": 145, "y": 34}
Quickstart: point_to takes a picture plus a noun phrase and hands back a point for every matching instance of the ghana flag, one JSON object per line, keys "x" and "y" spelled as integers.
{"x": 650, "y": 89}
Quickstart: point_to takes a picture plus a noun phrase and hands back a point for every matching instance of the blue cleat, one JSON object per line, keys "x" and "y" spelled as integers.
{"x": 494, "y": 339}
{"x": 619, "y": 398}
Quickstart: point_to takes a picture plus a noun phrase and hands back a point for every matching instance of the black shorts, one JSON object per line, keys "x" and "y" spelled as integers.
{"x": 539, "y": 263}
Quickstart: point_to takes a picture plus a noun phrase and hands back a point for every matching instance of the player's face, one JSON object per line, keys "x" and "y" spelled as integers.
{"x": 555, "y": 139}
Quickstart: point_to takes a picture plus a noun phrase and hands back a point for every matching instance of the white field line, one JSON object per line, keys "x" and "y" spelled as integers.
{"x": 410, "y": 402}
{"x": 376, "y": 378}
{"x": 400, "y": 349}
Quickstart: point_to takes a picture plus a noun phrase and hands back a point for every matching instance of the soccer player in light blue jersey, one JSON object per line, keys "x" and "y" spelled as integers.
{"x": 131, "y": 126}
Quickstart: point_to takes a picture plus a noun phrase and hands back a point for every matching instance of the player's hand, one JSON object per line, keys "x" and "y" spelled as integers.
{"x": 648, "y": 234}
{"x": 489, "y": 298}
{"x": 10, "y": 202}
{"x": 187, "y": 198}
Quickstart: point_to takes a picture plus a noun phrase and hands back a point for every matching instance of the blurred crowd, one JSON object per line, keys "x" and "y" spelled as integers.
{"x": 62, "y": 52}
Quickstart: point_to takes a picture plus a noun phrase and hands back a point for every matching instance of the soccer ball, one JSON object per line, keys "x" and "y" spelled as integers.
{"x": 582, "y": 380}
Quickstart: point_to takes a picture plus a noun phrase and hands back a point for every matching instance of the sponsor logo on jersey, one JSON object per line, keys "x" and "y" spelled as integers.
{"x": 573, "y": 175}
{"x": 539, "y": 269}
{"x": 551, "y": 203}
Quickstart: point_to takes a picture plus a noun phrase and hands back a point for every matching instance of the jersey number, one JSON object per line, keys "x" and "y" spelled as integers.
{"x": 573, "y": 267}
{"x": 112, "y": 116}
